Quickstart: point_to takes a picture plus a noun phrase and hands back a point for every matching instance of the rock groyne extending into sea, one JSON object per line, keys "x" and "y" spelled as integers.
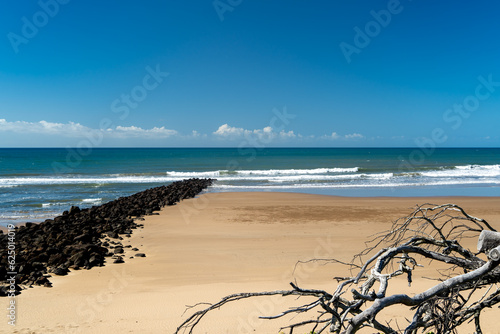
{"x": 82, "y": 238}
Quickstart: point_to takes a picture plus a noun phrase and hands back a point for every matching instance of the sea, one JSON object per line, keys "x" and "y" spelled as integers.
{"x": 40, "y": 183}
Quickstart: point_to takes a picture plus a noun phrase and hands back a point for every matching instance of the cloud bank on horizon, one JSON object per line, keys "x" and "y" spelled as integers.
{"x": 224, "y": 135}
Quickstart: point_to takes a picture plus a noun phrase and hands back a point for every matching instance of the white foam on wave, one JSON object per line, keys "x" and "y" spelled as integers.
{"x": 46, "y": 205}
{"x": 475, "y": 167}
{"x": 297, "y": 171}
{"x": 171, "y": 176}
{"x": 298, "y": 177}
{"x": 488, "y": 174}
{"x": 195, "y": 174}
{"x": 82, "y": 180}
{"x": 263, "y": 172}
{"x": 23, "y": 217}
{"x": 92, "y": 200}
{"x": 382, "y": 176}
{"x": 358, "y": 185}
{"x": 13, "y": 216}
{"x": 466, "y": 171}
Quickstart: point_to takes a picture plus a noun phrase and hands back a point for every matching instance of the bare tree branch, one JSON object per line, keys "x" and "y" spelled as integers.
{"x": 431, "y": 232}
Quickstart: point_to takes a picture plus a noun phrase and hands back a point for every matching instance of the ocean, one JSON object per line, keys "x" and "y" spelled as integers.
{"x": 36, "y": 184}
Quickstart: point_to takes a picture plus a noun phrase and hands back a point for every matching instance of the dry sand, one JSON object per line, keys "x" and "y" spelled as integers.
{"x": 222, "y": 243}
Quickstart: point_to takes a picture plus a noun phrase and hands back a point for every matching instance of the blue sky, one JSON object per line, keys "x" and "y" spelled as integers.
{"x": 217, "y": 73}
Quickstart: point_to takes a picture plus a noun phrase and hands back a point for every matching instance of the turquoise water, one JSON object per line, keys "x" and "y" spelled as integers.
{"x": 39, "y": 183}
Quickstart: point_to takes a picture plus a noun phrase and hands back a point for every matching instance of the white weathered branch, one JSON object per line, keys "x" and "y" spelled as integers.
{"x": 494, "y": 254}
{"x": 488, "y": 240}
{"x": 404, "y": 299}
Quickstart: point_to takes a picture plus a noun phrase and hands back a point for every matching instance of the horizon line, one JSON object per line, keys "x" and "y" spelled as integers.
{"x": 259, "y": 148}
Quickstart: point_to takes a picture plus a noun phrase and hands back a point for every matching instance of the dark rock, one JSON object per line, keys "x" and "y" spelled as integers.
{"x": 77, "y": 259}
{"x": 119, "y": 259}
{"x": 74, "y": 210}
{"x": 95, "y": 260}
{"x": 5, "y": 290}
{"x": 52, "y": 250}
{"x": 60, "y": 271}
{"x": 140, "y": 255}
{"x": 83, "y": 238}
{"x": 113, "y": 235}
{"x": 55, "y": 259}
{"x": 41, "y": 280}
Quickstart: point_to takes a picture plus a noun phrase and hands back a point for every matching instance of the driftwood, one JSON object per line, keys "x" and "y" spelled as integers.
{"x": 487, "y": 241}
{"x": 432, "y": 232}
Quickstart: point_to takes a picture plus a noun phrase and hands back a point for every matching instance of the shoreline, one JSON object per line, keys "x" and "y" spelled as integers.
{"x": 353, "y": 197}
{"x": 353, "y": 172}
{"x": 208, "y": 191}
{"x": 216, "y": 244}
{"x": 23, "y": 222}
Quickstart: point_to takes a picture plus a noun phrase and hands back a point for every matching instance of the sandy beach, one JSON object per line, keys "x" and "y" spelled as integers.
{"x": 221, "y": 243}
{"x": 160, "y": 158}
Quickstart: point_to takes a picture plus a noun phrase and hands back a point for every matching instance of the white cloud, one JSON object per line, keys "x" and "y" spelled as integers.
{"x": 265, "y": 134}
{"x": 287, "y": 135}
{"x": 333, "y": 136}
{"x": 76, "y": 130}
{"x": 336, "y": 136}
{"x": 354, "y": 136}
{"x": 225, "y": 130}
{"x": 134, "y": 131}
{"x": 68, "y": 129}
